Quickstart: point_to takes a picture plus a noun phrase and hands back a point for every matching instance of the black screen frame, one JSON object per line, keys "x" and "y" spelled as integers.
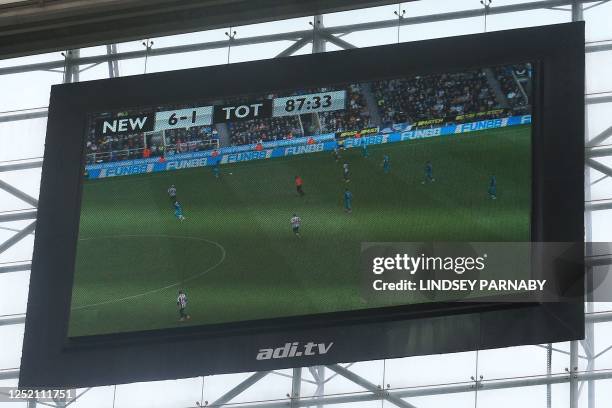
{"x": 557, "y": 195}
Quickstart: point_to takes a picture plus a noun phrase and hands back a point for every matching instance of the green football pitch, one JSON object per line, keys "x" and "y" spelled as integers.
{"x": 236, "y": 256}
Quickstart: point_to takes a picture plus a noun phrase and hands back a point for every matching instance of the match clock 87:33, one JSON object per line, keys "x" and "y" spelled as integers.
{"x": 318, "y": 102}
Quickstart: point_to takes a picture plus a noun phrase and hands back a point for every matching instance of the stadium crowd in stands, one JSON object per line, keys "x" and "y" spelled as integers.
{"x": 114, "y": 147}
{"x": 132, "y": 146}
{"x": 434, "y": 96}
{"x": 356, "y": 116}
{"x": 191, "y": 139}
{"x": 509, "y": 77}
{"x": 265, "y": 129}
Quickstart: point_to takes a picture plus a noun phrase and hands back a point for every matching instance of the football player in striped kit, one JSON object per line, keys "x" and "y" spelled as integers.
{"x": 172, "y": 193}
{"x": 181, "y": 302}
{"x": 296, "y": 223}
{"x": 345, "y": 172}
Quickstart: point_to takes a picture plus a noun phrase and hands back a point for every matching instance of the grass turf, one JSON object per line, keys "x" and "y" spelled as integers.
{"x": 235, "y": 254}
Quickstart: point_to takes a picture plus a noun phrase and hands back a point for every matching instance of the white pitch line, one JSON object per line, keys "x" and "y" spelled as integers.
{"x": 158, "y": 289}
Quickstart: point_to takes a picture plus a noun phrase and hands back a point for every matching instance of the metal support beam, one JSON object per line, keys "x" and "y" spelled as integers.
{"x": 573, "y": 368}
{"x": 234, "y": 392}
{"x": 15, "y": 268}
{"x": 600, "y": 138}
{"x": 71, "y": 66}
{"x": 380, "y": 392}
{"x": 577, "y": 12}
{"x": 602, "y": 168}
{"x": 455, "y": 15}
{"x": 18, "y": 216}
{"x": 598, "y": 47}
{"x": 589, "y": 338}
{"x": 23, "y": 115}
{"x": 598, "y": 206}
{"x": 48, "y": 26}
{"x": 548, "y": 373}
{"x": 11, "y": 320}
{"x": 443, "y": 389}
{"x": 345, "y": 45}
{"x": 598, "y": 317}
{"x": 294, "y": 47}
{"x": 17, "y": 237}
{"x": 75, "y": 66}
{"x": 9, "y": 374}
{"x": 20, "y": 166}
{"x": 113, "y": 66}
{"x": 18, "y": 193}
{"x": 320, "y": 391}
{"x": 178, "y": 49}
{"x": 318, "y": 373}
{"x": 318, "y": 38}
{"x": 600, "y": 152}
{"x": 591, "y": 100}
{"x": 294, "y": 36}
{"x": 296, "y": 386}
{"x": 485, "y": 385}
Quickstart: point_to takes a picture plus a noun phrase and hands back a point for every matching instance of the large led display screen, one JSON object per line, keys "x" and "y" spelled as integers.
{"x": 280, "y": 213}
{"x": 255, "y": 207}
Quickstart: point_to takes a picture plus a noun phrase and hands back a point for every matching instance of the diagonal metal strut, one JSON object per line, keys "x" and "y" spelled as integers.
{"x": 17, "y": 237}
{"x": 349, "y": 375}
{"x": 243, "y": 386}
{"x": 602, "y": 168}
{"x": 293, "y": 47}
{"x": 18, "y": 193}
{"x": 597, "y": 140}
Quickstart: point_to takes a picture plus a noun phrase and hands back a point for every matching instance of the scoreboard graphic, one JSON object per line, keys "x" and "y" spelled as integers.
{"x": 313, "y": 103}
{"x": 183, "y": 118}
{"x": 208, "y": 115}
